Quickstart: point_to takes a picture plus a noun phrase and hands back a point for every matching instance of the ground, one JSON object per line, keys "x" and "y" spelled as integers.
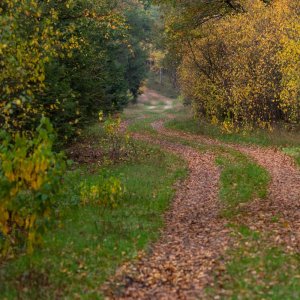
{"x": 205, "y": 215}
{"x": 191, "y": 258}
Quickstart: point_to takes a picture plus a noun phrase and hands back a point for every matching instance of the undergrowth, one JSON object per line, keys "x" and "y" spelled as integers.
{"x": 89, "y": 243}
{"x": 256, "y": 269}
{"x": 286, "y": 141}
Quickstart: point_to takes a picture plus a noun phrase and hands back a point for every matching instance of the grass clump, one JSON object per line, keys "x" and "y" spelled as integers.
{"x": 241, "y": 180}
{"x": 257, "y": 269}
{"x": 89, "y": 243}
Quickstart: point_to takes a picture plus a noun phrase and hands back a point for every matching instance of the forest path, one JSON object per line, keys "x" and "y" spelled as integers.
{"x": 195, "y": 236}
{"x": 179, "y": 264}
{"x": 283, "y": 199}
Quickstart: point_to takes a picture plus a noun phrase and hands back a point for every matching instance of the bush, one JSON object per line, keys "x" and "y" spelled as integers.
{"x": 106, "y": 191}
{"x": 242, "y": 70}
{"x": 117, "y": 141}
{"x": 30, "y": 179}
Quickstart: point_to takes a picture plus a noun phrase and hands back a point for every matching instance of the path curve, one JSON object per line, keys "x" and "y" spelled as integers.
{"x": 180, "y": 263}
{"x": 283, "y": 201}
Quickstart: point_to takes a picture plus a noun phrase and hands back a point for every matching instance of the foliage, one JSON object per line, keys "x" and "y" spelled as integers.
{"x": 28, "y": 41}
{"x": 81, "y": 254}
{"x": 67, "y": 60}
{"x": 30, "y": 178}
{"x": 239, "y": 69}
{"x": 118, "y": 140}
{"x": 106, "y": 192}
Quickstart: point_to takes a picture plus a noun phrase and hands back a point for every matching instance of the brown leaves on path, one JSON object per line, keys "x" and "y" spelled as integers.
{"x": 194, "y": 238}
{"x": 279, "y": 214}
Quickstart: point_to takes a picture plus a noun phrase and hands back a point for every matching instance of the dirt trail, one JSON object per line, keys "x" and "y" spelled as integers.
{"x": 283, "y": 202}
{"x": 152, "y": 98}
{"x": 195, "y": 237}
{"x": 180, "y": 262}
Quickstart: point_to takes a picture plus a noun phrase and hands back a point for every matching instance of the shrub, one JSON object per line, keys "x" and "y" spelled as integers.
{"x": 106, "y": 191}
{"x": 243, "y": 69}
{"x": 116, "y": 138}
{"x": 30, "y": 178}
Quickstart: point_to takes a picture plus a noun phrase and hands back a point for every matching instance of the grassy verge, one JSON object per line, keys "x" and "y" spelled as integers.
{"x": 89, "y": 243}
{"x": 241, "y": 180}
{"x": 279, "y": 137}
{"x": 257, "y": 269}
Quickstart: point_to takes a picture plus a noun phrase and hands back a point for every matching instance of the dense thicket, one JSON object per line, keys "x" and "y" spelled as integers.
{"x": 238, "y": 61}
{"x": 68, "y": 60}
{"x": 63, "y": 61}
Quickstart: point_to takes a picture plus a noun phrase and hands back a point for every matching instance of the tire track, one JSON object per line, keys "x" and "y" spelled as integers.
{"x": 180, "y": 263}
{"x": 283, "y": 201}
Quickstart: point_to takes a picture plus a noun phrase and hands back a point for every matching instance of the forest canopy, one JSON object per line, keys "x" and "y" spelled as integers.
{"x": 67, "y": 60}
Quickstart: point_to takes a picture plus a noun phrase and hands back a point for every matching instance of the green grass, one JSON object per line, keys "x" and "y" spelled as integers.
{"x": 256, "y": 269}
{"x": 279, "y": 137}
{"x": 241, "y": 180}
{"x": 143, "y": 125}
{"x": 89, "y": 244}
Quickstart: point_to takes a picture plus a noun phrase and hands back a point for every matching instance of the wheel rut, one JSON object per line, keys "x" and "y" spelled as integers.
{"x": 283, "y": 201}
{"x": 179, "y": 264}
{"x": 195, "y": 237}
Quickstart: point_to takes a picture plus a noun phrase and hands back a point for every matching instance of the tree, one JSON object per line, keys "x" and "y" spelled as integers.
{"x": 237, "y": 60}
{"x": 67, "y": 60}
{"x": 238, "y": 71}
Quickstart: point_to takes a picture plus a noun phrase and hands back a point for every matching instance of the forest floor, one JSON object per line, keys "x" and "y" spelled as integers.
{"x": 205, "y": 215}
{"x": 233, "y": 228}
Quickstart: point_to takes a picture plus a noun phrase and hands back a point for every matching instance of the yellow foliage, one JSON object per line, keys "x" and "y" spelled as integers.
{"x": 244, "y": 69}
{"x": 105, "y": 192}
{"x": 28, "y": 41}
{"x": 29, "y": 181}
